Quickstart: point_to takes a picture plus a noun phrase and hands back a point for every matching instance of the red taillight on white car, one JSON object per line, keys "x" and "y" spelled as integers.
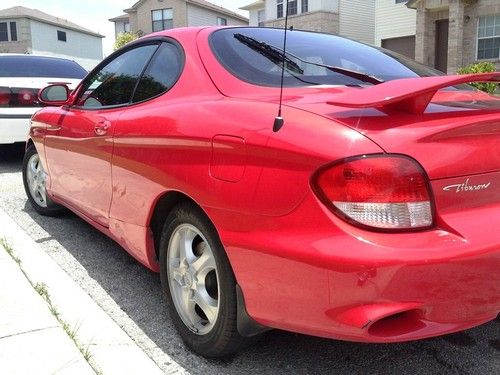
{"x": 389, "y": 192}
{"x": 18, "y": 97}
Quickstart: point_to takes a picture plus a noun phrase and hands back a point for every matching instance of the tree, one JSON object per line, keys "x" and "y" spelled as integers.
{"x": 122, "y": 39}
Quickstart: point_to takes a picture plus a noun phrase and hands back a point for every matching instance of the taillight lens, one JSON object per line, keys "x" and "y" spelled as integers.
{"x": 18, "y": 97}
{"x": 389, "y": 192}
{"x": 4, "y": 96}
{"x": 26, "y": 97}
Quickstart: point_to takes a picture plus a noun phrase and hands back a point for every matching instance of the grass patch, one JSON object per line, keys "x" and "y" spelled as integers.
{"x": 42, "y": 290}
{"x": 8, "y": 248}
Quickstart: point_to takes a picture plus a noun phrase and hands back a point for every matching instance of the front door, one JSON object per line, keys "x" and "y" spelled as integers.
{"x": 79, "y": 149}
{"x": 441, "y": 63}
{"x": 79, "y": 159}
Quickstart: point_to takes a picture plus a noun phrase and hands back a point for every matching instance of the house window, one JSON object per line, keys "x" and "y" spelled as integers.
{"x": 13, "y": 31}
{"x": 61, "y": 35}
{"x": 279, "y": 8}
{"x": 305, "y": 6}
{"x": 126, "y": 27}
{"x": 291, "y": 5}
{"x": 162, "y": 19}
{"x": 221, "y": 21}
{"x": 401, "y": 1}
{"x": 261, "y": 17}
{"x": 488, "y": 43}
{"x": 8, "y": 32}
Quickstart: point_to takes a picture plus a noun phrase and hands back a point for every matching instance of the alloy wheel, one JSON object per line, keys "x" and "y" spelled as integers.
{"x": 193, "y": 279}
{"x": 36, "y": 178}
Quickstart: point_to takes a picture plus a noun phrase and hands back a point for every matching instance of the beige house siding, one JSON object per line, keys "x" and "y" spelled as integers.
{"x": 326, "y": 22}
{"x": 198, "y": 16}
{"x": 326, "y": 6}
{"x": 23, "y": 43}
{"x": 184, "y": 13}
{"x": 140, "y": 18}
{"x": 393, "y": 20}
{"x": 356, "y": 20}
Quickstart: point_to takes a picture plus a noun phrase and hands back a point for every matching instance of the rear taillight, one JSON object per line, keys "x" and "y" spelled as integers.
{"x": 18, "y": 97}
{"x": 4, "y": 96}
{"x": 26, "y": 97}
{"x": 390, "y": 192}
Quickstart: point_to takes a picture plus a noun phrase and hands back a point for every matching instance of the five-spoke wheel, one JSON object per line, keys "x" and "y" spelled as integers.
{"x": 35, "y": 179}
{"x": 192, "y": 278}
{"x": 199, "y": 283}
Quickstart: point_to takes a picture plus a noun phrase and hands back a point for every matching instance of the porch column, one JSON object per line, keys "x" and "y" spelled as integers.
{"x": 456, "y": 36}
{"x": 425, "y": 27}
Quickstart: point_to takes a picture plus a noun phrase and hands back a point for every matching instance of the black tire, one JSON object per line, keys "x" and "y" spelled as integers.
{"x": 223, "y": 339}
{"x": 51, "y": 208}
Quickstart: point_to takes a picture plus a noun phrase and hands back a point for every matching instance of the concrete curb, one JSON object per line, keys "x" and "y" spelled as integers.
{"x": 112, "y": 350}
{"x": 32, "y": 340}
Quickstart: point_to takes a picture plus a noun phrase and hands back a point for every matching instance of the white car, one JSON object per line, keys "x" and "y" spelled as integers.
{"x": 21, "y": 76}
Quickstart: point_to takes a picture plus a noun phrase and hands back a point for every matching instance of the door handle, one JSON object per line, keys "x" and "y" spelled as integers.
{"x": 102, "y": 127}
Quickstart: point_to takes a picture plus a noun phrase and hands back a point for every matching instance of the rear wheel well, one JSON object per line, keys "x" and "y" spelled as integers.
{"x": 162, "y": 209}
{"x": 29, "y": 143}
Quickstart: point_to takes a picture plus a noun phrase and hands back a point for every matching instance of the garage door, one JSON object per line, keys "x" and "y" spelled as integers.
{"x": 404, "y": 46}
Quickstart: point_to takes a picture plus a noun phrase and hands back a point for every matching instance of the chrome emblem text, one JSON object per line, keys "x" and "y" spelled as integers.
{"x": 464, "y": 186}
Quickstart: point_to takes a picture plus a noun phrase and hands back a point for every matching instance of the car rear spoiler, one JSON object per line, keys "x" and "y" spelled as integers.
{"x": 411, "y": 95}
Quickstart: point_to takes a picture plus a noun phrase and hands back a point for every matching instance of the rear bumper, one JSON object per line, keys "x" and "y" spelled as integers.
{"x": 14, "y": 127}
{"x": 332, "y": 280}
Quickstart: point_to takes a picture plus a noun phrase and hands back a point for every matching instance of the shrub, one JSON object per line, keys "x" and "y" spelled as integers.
{"x": 481, "y": 67}
{"x": 122, "y": 39}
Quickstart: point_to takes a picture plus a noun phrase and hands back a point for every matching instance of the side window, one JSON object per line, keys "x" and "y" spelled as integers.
{"x": 161, "y": 74}
{"x": 115, "y": 83}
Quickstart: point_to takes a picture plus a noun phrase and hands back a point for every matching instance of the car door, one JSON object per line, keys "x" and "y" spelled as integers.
{"x": 145, "y": 136}
{"x": 79, "y": 146}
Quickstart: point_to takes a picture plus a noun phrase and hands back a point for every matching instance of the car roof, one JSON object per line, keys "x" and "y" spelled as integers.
{"x": 29, "y": 55}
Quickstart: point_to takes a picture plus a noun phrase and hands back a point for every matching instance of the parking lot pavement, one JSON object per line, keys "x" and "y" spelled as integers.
{"x": 130, "y": 294}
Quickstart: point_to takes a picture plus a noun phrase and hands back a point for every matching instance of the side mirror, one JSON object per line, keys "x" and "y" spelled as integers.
{"x": 55, "y": 95}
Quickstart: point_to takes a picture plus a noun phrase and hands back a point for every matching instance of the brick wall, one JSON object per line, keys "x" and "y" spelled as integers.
{"x": 326, "y": 22}
{"x": 462, "y": 43}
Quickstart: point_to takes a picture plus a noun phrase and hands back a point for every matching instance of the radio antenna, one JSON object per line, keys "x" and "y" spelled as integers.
{"x": 278, "y": 121}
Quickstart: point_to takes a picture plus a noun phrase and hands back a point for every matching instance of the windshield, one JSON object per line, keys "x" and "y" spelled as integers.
{"x": 40, "y": 67}
{"x": 310, "y": 57}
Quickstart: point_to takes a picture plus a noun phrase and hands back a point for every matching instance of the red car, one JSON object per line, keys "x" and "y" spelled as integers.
{"x": 370, "y": 211}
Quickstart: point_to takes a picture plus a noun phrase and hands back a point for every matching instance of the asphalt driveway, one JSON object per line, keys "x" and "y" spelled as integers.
{"x": 130, "y": 294}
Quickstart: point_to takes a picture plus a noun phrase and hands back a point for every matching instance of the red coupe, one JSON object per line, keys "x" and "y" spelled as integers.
{"x": 368, "y": 211}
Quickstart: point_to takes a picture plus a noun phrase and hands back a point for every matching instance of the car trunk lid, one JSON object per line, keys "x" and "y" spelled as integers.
{"x": 452, "y": 132}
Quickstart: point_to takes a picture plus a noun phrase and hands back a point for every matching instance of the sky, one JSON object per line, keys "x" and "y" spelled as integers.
{"x": 94, "y": 14}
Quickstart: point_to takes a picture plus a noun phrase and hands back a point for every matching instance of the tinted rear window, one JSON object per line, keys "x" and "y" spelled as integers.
{"x": 35, "y": 66}
{"x": 242, "y": 51}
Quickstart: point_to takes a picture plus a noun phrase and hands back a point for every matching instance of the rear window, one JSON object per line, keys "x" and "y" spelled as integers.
{"x": 254, "y": 55}
{"x": 36, "y": 66}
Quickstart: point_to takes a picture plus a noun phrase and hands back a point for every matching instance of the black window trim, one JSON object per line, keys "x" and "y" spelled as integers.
{"x": 158, "y": 40}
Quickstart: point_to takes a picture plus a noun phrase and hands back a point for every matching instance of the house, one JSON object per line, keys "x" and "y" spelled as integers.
{"x": 26, "y": 30}
{"x": 395, "y": 26}
{"x": 350, "y": 18}
{"x": 147, "y": 16}
{"x": 122, "y": 24}
{"x": 455, "y": 33}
